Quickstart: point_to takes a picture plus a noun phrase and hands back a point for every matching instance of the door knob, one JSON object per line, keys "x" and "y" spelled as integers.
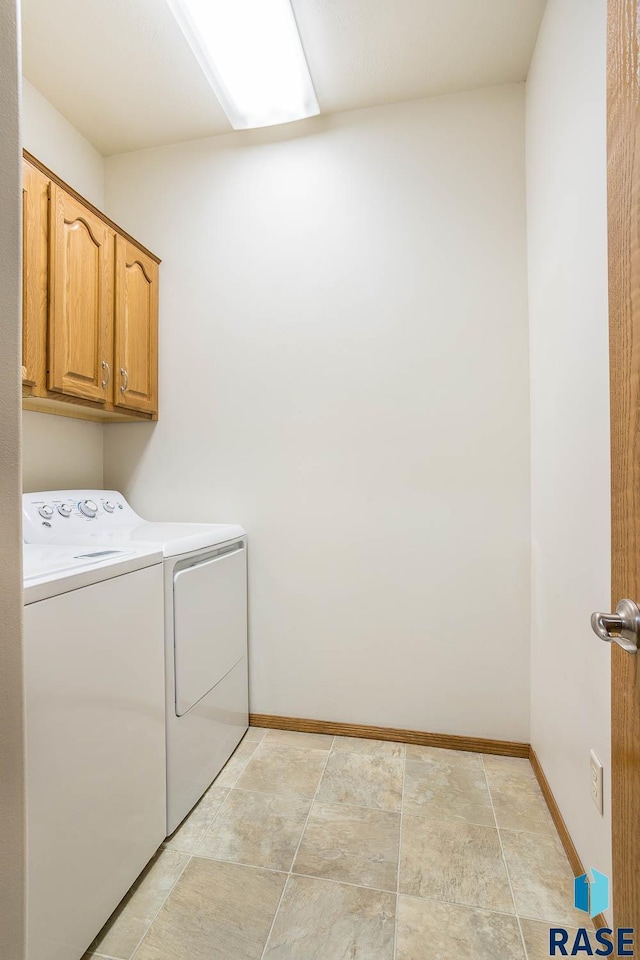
{"x": 621, "y": 627}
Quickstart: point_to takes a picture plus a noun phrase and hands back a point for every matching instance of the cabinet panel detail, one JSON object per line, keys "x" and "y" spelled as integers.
{"x": 136, "y": 342}
{"x": 81, "y": 300}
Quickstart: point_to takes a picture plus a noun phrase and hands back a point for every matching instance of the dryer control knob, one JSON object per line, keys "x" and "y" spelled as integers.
{"x": 88, "y": 508}
{"x": 64, "y": 509}
{"x": 46, "y": 511}
{"x": 109, "y": 506}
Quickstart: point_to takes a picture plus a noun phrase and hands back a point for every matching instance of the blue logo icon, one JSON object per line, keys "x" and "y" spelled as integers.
{"x": 591, "y": 895}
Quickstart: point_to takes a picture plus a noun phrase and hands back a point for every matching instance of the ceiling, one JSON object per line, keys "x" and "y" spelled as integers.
{"x": 122, "y": 73}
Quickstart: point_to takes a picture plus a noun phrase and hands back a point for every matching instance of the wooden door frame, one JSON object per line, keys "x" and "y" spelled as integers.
{"x": 623, "y": 211}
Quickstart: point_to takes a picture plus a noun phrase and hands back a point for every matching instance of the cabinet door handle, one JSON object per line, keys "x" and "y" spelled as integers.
{"x": 125, "y": 385}
{"x": 107, "y": 368}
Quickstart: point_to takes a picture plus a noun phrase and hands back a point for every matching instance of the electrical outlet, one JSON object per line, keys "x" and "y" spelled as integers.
{"x": 596, "y": 782}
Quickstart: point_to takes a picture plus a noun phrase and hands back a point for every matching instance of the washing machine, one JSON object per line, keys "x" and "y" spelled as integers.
{"x": 205, "y": 624}
{"x": 95, "y": 736}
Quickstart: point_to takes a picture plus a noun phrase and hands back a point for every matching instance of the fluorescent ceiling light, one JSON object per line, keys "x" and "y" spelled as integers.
{"x": 251, "y": 53}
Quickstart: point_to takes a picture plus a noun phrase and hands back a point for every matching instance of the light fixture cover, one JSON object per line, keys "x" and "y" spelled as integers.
{"x": 251, "y": 53}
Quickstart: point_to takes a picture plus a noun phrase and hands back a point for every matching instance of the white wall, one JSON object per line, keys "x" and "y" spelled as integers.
{"x": 567, "y": 229}
{"x": 51, "y": 138}
{"x": 12, "y": 799}
{"x": 343, "y": 370}
{"x": 60, "y": 452}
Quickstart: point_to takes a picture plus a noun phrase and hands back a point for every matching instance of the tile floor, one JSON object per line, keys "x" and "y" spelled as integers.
{"x": 313, "y": 847}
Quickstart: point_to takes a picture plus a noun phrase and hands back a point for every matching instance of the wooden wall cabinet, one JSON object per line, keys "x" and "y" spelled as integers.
{"x": 80, "y": 300}
{"x": 90, "y": 308}
{"x": 136, "y": 332}
{"x": 35, "y": 274}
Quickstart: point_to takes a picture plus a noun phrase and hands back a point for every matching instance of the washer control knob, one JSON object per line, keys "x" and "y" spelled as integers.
{"x": 109, "y": 506}
{"x": 46, "y": 511}
{"x": 88, "y": 508}
{"x": 64, "y": 509}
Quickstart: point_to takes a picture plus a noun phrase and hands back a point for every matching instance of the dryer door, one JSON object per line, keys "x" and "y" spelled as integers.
{"x": 210, "y": 621}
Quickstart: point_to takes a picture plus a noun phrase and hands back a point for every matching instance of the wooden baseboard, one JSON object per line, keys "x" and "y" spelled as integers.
{"x": 505, "y": 748}
{"x": 561, "y": 827}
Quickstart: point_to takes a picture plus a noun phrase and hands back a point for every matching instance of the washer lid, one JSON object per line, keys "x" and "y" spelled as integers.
{"x": 49, "y": 570}
{"x": 173, "y": 539}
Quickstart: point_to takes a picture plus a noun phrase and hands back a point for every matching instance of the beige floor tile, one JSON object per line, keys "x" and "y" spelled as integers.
{"x": 255, "y": 734}
{"x": 217, "y": 911}
{"x": 295, "y": 738}
{"x": 287, "y": 771}
{"x": 446, "y": 931}
{"x": 456, "y": 902}
{"x": 536, "y": 938}
{"x": 192, "y": 830}
{"x": 441, "y": 755}
{"x": 362, "y": 780}
{"x": 212, "y": 800}
{"x": 457, "y": 862}
{"x": 541, "y": 877}
{"x": 236, "y": 763}
{"x": 378, "y": 748}
{"x": 127, "y": 925}
{"x": 353, "y": 844}
{"x": 518, "y": 802}
{"x": 321, "y": 920}
{"x": 257, "y": 829}
{"x": 451, "y": 787}
{"x": 511, "y": 765}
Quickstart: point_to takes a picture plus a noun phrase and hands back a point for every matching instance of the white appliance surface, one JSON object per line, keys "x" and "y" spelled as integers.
{"x": 86, "y": 516}
{"x": 209, "y": 596}
{"x": 205, "y": 617}
{"x": 49, "y": 570}
{"x": 95, "y": 729}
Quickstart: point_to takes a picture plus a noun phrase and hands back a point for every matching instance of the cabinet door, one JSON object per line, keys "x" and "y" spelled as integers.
{"x": 81, "y": 300}
{"x": 35, "y": 276}
{"x": 136, "y": 341}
